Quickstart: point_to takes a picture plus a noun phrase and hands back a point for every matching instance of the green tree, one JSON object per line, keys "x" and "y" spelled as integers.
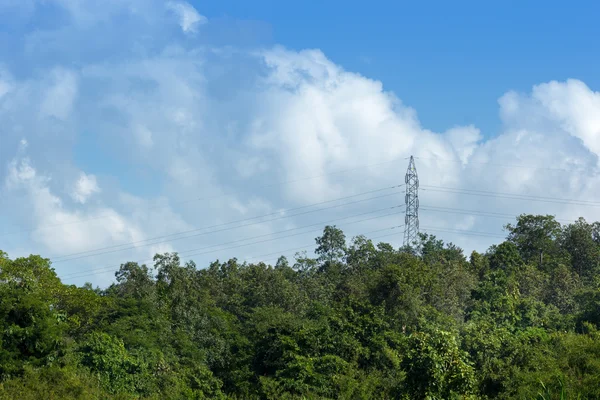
{"x": 361, "y": 254}
{"x": 31, "y": 324}
{"x": 331, "y": 246}
{"x": 436, "y": 368}
{"x": 535, "y": 236}
{"x": 578, "y": 240}
{"x": 107, "y": 357}
{"x": 364, "y": 322}
{"x": 505, "y": 257}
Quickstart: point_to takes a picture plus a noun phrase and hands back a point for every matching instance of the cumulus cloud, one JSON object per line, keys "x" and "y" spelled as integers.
{"x": 189, "y": 18}
{"x": 65, "y": 236}
{"x": 85, "y": 187}
{"x": 197, "y": 136}
{"x": 464, "y": 141}
{"x": 19, "y": 172}
{"x": 65, "y": 232}
{"x": 316, "y": 117}
{"x": 568, "y": 106}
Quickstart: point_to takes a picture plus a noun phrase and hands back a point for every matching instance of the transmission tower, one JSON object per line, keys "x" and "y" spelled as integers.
{"x": 411, "y": 219}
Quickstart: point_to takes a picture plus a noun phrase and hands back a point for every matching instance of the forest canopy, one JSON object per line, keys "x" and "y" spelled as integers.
{"x": 361, "y": 320}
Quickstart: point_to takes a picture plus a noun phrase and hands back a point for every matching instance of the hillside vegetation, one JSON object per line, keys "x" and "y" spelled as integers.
{"x": 361, "y": 321}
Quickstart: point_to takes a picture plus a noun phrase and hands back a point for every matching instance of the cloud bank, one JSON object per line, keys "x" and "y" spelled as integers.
{"x": 155, "y": 133}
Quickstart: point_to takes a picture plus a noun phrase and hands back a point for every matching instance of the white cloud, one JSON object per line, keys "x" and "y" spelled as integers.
{"x": 84, "y": 188}
{"x": 60, "y": 95}
{"x": 316, "y": 118}
{"x": 464, "y": 140}
{"x": 189, "y": 18}
{"x": 208, "y": 136}
{"x": 159, "y": 249}
{"x": 573, "y": 107}
{"x": 19, "y": 172}
{"x": 61, "y": 231}
{"x": 55, "y": 227}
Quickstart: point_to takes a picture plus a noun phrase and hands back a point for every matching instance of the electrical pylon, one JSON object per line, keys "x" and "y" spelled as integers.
{"x": 411, "y": 219}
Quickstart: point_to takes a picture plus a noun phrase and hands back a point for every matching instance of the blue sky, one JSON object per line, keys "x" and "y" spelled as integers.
{"x": 125, "y": 123}
{"x": 450, "y": 60}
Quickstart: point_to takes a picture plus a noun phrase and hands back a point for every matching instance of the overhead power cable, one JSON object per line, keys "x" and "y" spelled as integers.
{"x": 201, "y": 251}
{"x": 280, "y": 183}
{"x": 319, "y": 224}
{"x": 470, "y": 162}
{"x": 476, "y": 213}
{"x": 153, "y": 241}
{"x": 286, "y": 252}
{"x": 103, "y": 271}
{"x": 314, "y": 230}
{"x": 463, "y": 232}
{"x": 500, "y": 195}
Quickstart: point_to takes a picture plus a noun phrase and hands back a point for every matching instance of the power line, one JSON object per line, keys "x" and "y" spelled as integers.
{"x": 306, "y": 226}
{"x": 313, "y": 244}
{"x": 106, "y": 270}
{"x": 287, "y": 251}
{"x": 501, "y": 165}
{"x": 477, "y": 213}
{"x": 280, "y": 183}
{"x": 464, "y": 232}
{"x": 117, "y": 248}
{"x": 514, "y": 196}
{"x": 243, "y": 220}
{"x": 426, "y": 229}
{"x": 194, "y": 251}
{"x": 137, "y": 244}
{"x": 320, "y": 223}
{"x": 466, "y": 212}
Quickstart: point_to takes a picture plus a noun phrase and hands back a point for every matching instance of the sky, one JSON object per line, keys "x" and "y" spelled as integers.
{"x": 240, "y": 129}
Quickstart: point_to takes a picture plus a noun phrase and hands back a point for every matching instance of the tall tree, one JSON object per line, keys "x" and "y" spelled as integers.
{"x": 31, "y": 323}
{"x": 331, "y": 246}
{"x": 578, "y": 239}
{"x": 535, "y": 236}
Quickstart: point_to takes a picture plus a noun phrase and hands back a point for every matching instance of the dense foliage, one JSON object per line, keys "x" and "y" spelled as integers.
{"x": 360, "y": 321}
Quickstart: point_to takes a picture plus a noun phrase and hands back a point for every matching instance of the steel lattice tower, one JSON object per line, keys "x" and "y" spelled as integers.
{"x": 411, "y": 220}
